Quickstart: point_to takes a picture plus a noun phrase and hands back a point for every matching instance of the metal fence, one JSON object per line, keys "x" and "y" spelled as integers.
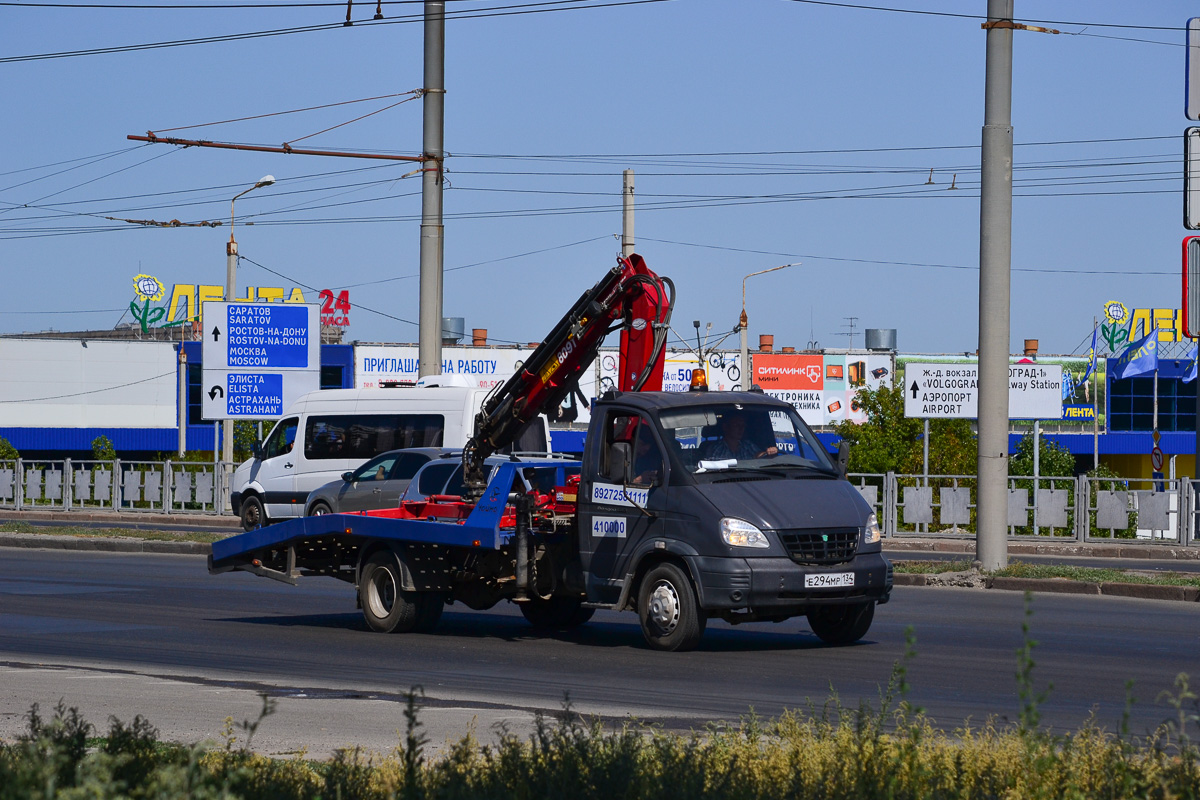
{"x": 133, "y": 486}
{"x": 1079, "y": 509}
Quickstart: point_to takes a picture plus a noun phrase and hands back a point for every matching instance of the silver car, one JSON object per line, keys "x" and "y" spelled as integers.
{"x": 379, "y": 483}
{"x": 445, "y": 475}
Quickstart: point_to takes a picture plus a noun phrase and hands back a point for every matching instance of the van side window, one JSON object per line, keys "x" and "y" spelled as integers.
{"x": 362, "y": 436}
{"x": 281, "y": 438}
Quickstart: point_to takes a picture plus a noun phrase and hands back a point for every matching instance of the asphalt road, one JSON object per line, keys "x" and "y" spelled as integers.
{"x": 131, "y": 633}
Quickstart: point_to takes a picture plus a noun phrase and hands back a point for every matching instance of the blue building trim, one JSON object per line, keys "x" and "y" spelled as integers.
{"x": 128, "y": 439}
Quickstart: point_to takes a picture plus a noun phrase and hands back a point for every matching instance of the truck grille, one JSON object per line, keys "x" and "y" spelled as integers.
{"x": 820, "y": 545}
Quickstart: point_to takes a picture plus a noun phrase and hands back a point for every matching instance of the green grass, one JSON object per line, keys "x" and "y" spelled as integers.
{"x": 1021, "y": 569}
{"x": 111, "y": 533}
{"x": 930, "y": 567}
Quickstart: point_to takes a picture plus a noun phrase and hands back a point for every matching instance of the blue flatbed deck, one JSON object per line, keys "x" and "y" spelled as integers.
{"x": 480, "y": 529}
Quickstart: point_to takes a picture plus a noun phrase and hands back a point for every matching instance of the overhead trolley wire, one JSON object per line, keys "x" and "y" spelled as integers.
{"x": 493, "y": 11}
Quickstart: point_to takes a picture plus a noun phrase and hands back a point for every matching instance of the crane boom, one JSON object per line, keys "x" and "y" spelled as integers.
{"x": 631, "y": 297}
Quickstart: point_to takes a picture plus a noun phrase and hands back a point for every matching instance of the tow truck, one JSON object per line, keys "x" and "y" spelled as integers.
{"x": 685, "y": 506}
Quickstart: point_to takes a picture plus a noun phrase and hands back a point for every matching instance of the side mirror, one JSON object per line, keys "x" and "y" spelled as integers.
{"x": 348, "y": 477}
{"x": 843, "y": 459}
{"x": 256, "y": 450}
{"x": 620, "y": 456}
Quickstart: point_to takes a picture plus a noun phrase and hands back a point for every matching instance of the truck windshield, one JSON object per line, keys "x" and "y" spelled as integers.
{"x": 731, "y": 436}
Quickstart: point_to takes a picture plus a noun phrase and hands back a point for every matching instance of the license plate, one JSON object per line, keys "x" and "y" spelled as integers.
{"x": 823, "y": 580}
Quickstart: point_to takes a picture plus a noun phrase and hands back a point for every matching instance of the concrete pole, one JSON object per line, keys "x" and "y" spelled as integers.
{"x": 627, "y": 214}
{"x": 1096, "y": 404}
{"x": 182, "y": 400}
{"x": 747, "y": 377}
{"x": 1037, "y": 469}
{"x": 995, "y": 266}
{"x": 923, "y": 527}
{"x": 430, "y": 316}
{"x": 231, "y": 261}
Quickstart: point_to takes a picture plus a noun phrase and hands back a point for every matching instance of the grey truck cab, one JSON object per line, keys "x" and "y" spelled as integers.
{"x": 723, "y": 504}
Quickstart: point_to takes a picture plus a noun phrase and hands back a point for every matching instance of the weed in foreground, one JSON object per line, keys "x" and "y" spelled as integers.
{"x": 889, "y": 750}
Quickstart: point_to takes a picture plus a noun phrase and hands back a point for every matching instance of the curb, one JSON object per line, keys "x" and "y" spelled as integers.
{"x": 37, "y": 541}
{"x": 1143, "y": 591}
{"x": 1138, "y": 551}
{"x": 212, "y": 522}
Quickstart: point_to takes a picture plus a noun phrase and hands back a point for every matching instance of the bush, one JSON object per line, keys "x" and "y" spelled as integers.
{"x": 103, "y": 450}
{"x": 7, "y": 451}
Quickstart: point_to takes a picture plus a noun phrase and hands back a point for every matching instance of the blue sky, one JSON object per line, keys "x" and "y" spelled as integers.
{"x": 762, "y": 132}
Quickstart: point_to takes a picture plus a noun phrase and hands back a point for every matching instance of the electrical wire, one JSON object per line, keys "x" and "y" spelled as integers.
{"x": 92, "y": 391}
{"x": 962, "y": 267}
{"x": 494, "y": 11}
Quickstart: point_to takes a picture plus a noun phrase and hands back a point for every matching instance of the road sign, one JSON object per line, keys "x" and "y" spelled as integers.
{"x": 1191, "y": 286}
{"x": 1156, "y": 459}
{"x": 1191, "y": 75}
{"x": 258, "y": 358}
{"x": 951, "y": 391}
{"x": 1191, "y": 179}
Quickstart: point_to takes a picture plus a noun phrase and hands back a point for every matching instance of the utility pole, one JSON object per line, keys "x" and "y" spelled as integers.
{"x": 995, "y": 273}
{"x": 627, "y": 214}
{"x": 430, "y": 316}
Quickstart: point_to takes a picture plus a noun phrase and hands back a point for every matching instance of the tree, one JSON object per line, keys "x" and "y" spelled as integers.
{"x": 890, "y": 442}
{"x": 7, "y": 451}
{"x": 102, "y": 449}
{"x": 1054, "y": 460}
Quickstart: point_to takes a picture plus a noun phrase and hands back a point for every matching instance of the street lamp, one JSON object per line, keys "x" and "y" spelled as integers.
{"x": 743, "y": 324}
{"x": 231, "y": 257}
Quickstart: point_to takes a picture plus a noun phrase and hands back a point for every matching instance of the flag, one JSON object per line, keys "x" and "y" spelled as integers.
{"x": 1068, "y": 385}
{"x": 1139, "y": 358}
{"x": 1091, "y": 359}
{"x": 1190, "y": 375}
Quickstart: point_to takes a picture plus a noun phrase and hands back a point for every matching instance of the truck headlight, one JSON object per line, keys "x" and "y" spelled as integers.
{"x": 872, "y": 534}
{"x": 739, "y": 533}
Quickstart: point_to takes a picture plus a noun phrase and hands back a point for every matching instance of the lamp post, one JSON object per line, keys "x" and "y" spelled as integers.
{"x": 744, "y": 326}
{"x": 231, "y": 258}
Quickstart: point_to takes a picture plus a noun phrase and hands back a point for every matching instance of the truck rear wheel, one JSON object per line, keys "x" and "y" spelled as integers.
{"x": 556, "y": 613}
{"x": 386, "y": 607}
{"x": 670, "y": 614}
{"x": 839, "y": 625}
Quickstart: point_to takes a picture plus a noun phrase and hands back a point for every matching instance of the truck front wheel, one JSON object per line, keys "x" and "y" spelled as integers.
{"x": 839, "y": 625}
{"x": 670, "y": 614}
{"x": 386, "y": 607}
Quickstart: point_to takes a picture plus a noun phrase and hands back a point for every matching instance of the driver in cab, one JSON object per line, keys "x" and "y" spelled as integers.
{"x": 733, "y": 443}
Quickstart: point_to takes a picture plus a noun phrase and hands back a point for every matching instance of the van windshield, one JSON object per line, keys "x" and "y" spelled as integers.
{"x": 733, "y": 436}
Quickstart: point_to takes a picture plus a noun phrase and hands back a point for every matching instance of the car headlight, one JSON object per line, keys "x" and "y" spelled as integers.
{"x": 872, "y": 534}
{"x": 739, "y": 533}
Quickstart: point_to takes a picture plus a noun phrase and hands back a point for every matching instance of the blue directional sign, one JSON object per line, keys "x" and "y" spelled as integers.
{"x": 250, "y": 395}
{"x": 258, "y": 358}
{"x": 265, "y": 336}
